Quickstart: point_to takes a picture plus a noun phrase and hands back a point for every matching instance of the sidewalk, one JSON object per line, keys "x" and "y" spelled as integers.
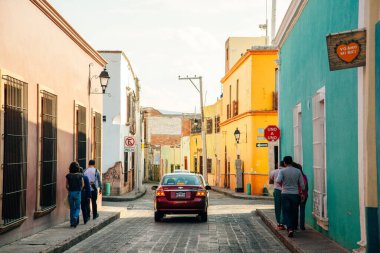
{"x": 309, "y": 241}
{"x": 129, "y": 196}
{"x": 239, "y": 195}
{"x": 62, "y": 237}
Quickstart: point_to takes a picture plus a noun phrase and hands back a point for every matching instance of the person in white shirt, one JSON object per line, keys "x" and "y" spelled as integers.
{"x": 94, "y": 177}
{"x": 277, "y": 196}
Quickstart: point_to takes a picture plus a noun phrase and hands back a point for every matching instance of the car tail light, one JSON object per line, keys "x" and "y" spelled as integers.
{"x": 200, "y": 194}
{"x": 160, "y": 193}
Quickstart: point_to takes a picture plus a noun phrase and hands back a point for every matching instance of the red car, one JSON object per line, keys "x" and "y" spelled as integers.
{"x": 181, "y": 193}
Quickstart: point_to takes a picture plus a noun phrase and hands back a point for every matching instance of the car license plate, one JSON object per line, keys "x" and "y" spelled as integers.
{"x": 180, "y": 194}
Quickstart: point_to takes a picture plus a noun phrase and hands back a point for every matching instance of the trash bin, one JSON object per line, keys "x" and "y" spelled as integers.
{"x": 249, "y": 189}
{"x": 107, "y": 189}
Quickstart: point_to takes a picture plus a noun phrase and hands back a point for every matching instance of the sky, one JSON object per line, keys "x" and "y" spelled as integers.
{"x": 167, "y": 38}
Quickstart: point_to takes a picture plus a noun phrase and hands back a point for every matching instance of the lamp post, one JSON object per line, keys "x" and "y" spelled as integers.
{"x": 103, "y": 79}
{"x": 238, "y": 167}
{"x": 200, "y": 90}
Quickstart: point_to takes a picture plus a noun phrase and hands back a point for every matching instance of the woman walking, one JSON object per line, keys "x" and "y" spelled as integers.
{"x": 74, "y": 184}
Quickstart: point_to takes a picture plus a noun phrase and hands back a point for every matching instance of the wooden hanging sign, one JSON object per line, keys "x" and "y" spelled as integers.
{"x": 346, "y": 49}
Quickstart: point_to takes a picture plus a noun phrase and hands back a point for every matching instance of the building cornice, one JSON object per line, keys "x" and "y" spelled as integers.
{"x": 249, "y": 114}
{"x": 290, "y": 19}
{"x": 59, "y": 21}
{"x": 244, "y": 58}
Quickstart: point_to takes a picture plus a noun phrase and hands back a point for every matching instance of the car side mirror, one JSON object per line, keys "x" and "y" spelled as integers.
{"x": 208, "y": 187}
{"x": 154, "y": 187}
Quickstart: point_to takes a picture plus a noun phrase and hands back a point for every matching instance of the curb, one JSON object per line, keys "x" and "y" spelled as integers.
{"x": 272, "y": 227}
{"x": 67, "y": 244}
{"x": 123, "y": 199}
{"x": 238, "y": 196}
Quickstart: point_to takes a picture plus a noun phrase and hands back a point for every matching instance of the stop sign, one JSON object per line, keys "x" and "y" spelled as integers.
{"x": 272, "y": 133}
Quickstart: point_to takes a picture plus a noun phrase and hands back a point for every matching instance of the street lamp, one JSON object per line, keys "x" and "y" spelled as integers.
{"x": 238, "y": 165}
{"x": 237, "y": 135}
{"x": 103, "y": 78}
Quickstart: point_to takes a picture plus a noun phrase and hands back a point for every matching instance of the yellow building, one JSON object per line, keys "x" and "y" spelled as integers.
{"x": 249, "y": 104}
{"x": 213, "y": 143}
{"x": 235, "y": 47}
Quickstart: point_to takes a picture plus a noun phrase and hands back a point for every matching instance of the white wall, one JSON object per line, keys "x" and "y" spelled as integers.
{"x": 114, "y": 129}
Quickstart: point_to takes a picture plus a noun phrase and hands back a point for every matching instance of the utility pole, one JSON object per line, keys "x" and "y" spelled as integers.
{"x": 200, "y": 90}
{"x": 273, "y": 23}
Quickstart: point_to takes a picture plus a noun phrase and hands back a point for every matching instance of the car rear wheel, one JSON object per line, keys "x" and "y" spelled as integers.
{"x": 203, "y": 217}
{"x": 158, "y": 216}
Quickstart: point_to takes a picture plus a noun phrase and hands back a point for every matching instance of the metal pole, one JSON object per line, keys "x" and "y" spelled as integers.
{"x": 204, "y": 160}
{"x": 273, "y": 19}
{"x": 204, "y": 152}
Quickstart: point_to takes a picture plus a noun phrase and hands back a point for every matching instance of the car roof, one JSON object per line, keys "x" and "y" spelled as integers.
{"x": 181, "y": 173}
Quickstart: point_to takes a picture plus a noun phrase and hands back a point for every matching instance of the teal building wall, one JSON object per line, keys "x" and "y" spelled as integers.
{"x": 304, "y": 69}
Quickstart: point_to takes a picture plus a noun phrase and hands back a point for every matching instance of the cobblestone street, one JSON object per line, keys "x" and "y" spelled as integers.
{"x": 232, "y": 227}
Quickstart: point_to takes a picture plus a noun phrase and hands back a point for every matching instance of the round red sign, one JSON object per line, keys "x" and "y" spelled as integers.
{"x": 272, "y": 133}
{"x": 129, "y": 141}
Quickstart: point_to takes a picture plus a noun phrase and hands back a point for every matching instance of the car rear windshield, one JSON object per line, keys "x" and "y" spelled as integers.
{"x": 181, "y": 179}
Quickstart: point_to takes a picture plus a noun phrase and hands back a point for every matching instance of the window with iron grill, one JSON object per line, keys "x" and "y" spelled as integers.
{"x": 97, "y": 156}
{"x": 209, "y": 126}
{"x": 15, "y": 149}
{"x": 81, "y": 140}
{"x": 195, "y": 164}
{"x": 235, "y": 109}
{"x": 48, "y": 150}
{"x": 217, "y": 124}
{"x": 209, "y": 165}
{"x": 196, "y": 126}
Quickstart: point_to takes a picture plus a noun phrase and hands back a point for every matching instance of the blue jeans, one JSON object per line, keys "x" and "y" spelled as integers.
{"x": 277, "y": 206}
{"x": 290, "y": 204}
{"x": 74, "y": 200}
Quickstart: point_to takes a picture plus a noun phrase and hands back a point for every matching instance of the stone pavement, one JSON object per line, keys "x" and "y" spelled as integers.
{"x": 61, "y": 237}
{"x": 239, "y": 195}
{"x": 232, "y": 226}
{"x": 309, "y": 241}
{"x": 129, "y": 196}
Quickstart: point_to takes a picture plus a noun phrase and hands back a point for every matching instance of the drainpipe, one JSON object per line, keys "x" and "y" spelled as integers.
{"x": 371, "y": 15}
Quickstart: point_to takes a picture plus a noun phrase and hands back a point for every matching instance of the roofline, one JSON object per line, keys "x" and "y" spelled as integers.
{"x": 60, "y": 22}
{"x": 290, "y": 19}
{"x": 245, "y": 57}
{"x": 125, "y": 57}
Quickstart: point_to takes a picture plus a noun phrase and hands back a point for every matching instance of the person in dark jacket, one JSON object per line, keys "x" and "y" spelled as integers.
{"x": 85, "y": 198}
{"x": 74, "y": 184}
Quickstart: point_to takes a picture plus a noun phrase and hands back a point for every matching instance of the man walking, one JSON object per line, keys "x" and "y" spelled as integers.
{"x": 290, "y": 178}
{"x": 277, "y": 196}
{"x": 94, "y": 177}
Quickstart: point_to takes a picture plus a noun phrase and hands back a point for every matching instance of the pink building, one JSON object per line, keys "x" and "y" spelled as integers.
{"x": 47, "y": 115}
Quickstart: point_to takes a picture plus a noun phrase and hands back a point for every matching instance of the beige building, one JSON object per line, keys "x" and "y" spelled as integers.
{"x": 237, "y": 46}
{"x": 48, "y": 116}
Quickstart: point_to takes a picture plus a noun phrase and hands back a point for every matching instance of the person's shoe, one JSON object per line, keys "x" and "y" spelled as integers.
{"x": 290, "y": 233}
{"x": 280, "y": 227}
{"x": 85, "y": 221}
{"x": 96, "y": 216}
